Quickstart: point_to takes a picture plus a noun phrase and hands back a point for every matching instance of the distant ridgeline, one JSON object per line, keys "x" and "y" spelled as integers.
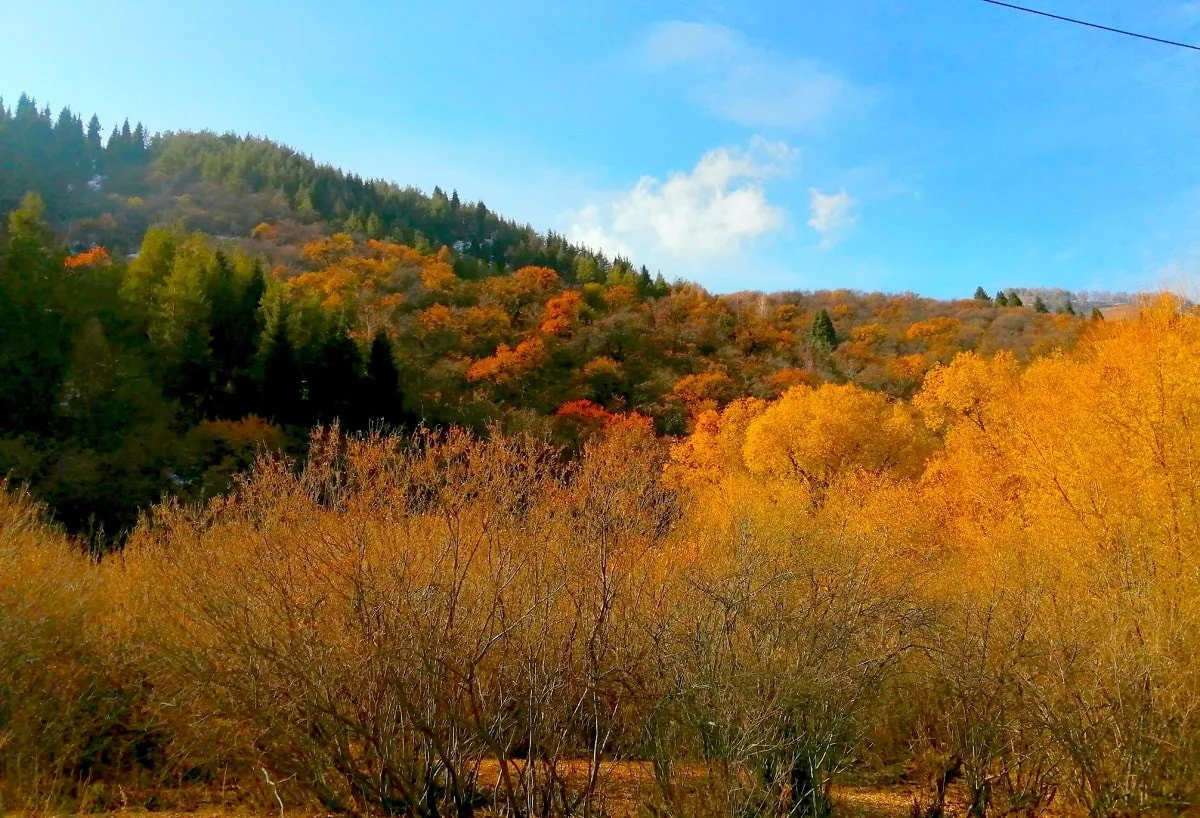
{"x": 109, "y": 191}
{"x": 1055, "y": 299}
{"x": 171, "y": 304}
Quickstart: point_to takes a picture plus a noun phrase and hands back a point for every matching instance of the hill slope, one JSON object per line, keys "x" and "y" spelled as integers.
{"x": 170, "y": 303}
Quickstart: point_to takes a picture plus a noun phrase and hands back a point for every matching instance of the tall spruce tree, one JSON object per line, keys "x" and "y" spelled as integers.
{"x": 382, "y": 400}
{"x": 281, "y": 377}
{"x": 333, "y": 374}
{"x": 824, "y": 336}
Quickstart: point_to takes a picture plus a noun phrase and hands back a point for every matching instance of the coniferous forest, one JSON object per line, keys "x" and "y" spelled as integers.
{"x": 326, "y": 495}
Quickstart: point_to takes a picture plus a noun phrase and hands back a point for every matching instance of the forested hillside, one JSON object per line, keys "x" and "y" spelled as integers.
{"x": 173, "y": 303}
{"x": 329, "y": 496}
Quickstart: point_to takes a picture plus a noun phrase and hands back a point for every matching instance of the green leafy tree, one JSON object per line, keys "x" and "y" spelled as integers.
{"x": 180, "y": 328}
{"x": 90, "y": 385}
{"x": 147, "y": 273}
{"x": 33, "y": 334}
{"x": 587, "y": 271}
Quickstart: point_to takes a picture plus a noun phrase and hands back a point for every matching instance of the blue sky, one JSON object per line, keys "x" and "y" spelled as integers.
{"x": 925, "y": 145}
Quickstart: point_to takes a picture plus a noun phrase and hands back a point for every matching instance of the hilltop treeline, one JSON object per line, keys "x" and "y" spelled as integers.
{"x": 107, "y": 191}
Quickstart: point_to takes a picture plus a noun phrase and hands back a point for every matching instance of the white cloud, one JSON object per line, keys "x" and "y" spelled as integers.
{"x": 707, "y": 213}
{"x": 832, "y": 214}
{"x": 746, "y": 83}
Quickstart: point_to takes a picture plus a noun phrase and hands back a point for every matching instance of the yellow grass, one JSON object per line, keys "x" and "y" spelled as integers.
{"x": 624, "y": 785}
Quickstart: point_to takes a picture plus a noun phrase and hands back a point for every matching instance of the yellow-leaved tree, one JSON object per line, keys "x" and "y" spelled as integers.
{"x": 816, "y": 435}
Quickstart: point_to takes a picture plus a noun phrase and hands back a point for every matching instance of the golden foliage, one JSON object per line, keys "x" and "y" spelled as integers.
{"x": 329, "y": 250}
{"x": 816, "y": 434}
{"x": 264, "y": 232}
{"x": 250, "y": 432}
{"x": 704, "y": 391}
{"x": 933, "y": 327}
{"x": 714, "y": 447}
{"x": 561, "y": 313}
{"x": 620, "y": 295}
{"x": 88, "y": 258}
{"x": 509, "y": 363}
{"x": 439, "y": 278}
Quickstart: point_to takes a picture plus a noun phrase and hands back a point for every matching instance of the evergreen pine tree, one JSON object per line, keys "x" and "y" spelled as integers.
{"x": 644, "y": 282}
{"x": 1001, "y": 299}
{"x": 223, "y": 302}
{"x": 981, "y": 295}
{"x": 95, "y": 144}
{"x": 333, "y": 373}
{"x": 234, "y": 320}
{"x": 281, "y": 377}
{"x": 125, "y": 148}
{"x": 382, "y": 387}
{"x": 1039, "y": 305}
{"x": 824, "y": 336}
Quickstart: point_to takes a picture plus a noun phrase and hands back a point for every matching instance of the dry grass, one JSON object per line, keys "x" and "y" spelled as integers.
{"x": 625, "y": 785}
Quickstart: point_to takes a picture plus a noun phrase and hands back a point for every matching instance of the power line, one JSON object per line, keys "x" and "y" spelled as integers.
{"x": 1094, "y": 25}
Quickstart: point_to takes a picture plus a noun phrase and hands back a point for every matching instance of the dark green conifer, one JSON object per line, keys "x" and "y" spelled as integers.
{"x": 824, "y": 336}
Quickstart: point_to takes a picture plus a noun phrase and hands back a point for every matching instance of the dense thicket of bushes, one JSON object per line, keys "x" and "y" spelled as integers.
{"x": 993, "y": 586}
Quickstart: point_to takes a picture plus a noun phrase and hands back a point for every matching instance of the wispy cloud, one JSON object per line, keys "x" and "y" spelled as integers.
{"x": 1180, "y": 276}
{"x": 705, "y": 214}
{"x": 746, "y": 83}
{"x": 831, "y": 215}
